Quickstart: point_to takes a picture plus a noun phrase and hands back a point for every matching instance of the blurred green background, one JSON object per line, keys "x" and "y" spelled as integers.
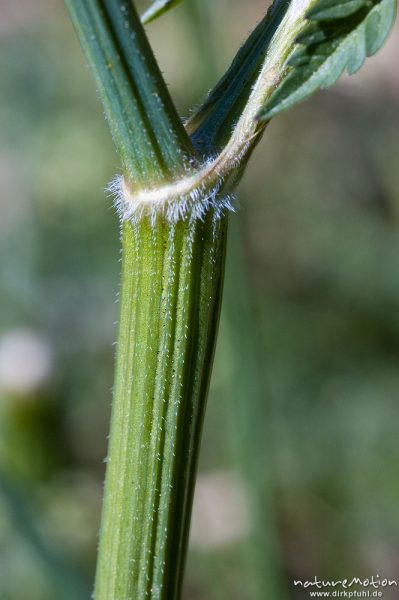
{"x": 300, "y": 455}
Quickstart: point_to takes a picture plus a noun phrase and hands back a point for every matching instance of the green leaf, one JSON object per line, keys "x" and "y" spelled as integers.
{"x": 331, "y": 9}
{"x": 338, "y": 37}
{"x": 158, "y": 8}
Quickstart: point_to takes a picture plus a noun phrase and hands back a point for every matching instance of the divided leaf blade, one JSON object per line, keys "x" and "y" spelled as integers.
{"x": 338, "y": 37}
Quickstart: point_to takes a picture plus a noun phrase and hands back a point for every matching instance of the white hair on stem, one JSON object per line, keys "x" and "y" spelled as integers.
{"x": 198, "y": 191}
{"x": 188, "y": 197}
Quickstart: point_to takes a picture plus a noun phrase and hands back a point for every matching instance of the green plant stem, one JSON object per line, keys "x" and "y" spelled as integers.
{"x": 147, "y": 131}
{"x": 170, "y": 300}
{"x": 171, "y": 289}
{"x": 169, "y": 309}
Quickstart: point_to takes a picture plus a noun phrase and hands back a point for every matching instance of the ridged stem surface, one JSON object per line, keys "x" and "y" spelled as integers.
{"x": 170, "y": 300}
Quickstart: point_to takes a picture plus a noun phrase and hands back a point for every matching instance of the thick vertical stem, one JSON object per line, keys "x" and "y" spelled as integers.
{"x": 170, "y": 300}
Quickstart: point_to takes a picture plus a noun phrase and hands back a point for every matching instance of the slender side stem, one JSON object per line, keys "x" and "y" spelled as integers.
{"x": 147, "y": 131}
{"x": 170, "y": 301}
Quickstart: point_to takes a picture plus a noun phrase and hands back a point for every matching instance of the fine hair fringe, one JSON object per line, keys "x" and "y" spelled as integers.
{"x": 187, "y": 198}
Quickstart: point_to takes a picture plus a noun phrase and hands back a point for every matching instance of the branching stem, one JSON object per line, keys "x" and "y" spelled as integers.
{"x": 173, "y": 199}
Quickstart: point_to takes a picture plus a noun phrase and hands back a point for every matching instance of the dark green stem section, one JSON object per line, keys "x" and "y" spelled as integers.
{"x": 170, "y": 301}
{"x": 145, "y": 126}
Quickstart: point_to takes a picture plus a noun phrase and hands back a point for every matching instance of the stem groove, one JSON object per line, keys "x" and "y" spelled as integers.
{"x": 170, "y": 302}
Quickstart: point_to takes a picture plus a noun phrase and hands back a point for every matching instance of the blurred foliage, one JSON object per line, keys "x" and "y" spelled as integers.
{"x": 303, "y": 406}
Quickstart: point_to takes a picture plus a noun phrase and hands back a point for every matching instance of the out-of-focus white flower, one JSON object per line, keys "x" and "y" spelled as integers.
{"x": 25, "y": 361}
{"x": 221, "y": 511}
